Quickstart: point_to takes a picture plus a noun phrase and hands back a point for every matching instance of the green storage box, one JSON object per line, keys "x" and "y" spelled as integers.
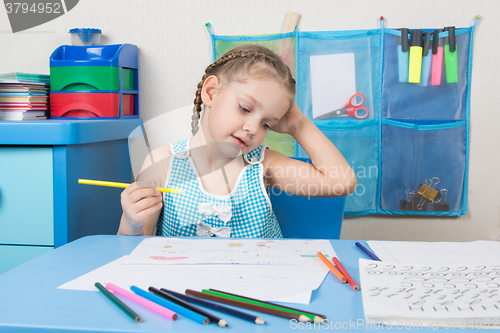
{"x": 90, "y": 78}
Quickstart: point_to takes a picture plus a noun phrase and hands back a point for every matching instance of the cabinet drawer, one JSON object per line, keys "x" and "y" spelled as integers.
{"x": 26, "y": 196}
{"x": 12, "y": 256}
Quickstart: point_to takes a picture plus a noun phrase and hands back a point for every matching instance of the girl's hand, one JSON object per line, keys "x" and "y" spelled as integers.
{"x": 290, "y": 120}
{"x": 140, "y": 202}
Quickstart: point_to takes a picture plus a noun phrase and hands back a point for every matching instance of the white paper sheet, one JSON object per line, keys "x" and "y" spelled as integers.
{"x": 175, "y": 251}
{"x": 292, "y": 284}
{"x": 333, "y": 82}
{"x": 430, "y": 295}
{"x": 438, "y": 253}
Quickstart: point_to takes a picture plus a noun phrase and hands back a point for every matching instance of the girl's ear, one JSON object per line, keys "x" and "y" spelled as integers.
{"x": 210, "y": 87}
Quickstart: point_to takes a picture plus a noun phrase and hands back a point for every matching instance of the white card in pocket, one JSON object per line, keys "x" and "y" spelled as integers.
{"x": 333, "y": 82}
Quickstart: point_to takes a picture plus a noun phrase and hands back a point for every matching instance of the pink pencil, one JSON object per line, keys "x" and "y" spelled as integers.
{"x": 142, "y": 301}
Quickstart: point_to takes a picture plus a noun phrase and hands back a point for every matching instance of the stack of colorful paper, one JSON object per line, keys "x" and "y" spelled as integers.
{"x": 24, "y": 96}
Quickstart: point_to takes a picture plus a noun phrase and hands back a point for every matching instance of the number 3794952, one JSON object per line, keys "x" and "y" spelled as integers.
{"x": 41, "y": 7}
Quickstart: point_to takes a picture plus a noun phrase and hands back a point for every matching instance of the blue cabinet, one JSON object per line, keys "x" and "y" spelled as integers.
{"x": 42, "y": 206}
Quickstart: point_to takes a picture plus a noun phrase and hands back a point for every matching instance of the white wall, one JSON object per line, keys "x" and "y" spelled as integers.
{"x": 174, "y": 49}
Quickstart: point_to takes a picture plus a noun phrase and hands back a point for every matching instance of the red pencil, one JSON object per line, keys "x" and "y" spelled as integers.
{"x": 344, "y": 272}
{"x": 332, "y": 268}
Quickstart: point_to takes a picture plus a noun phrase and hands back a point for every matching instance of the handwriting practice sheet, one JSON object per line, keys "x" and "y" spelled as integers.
{"x": 431, "y": 295}
{"x": 438, "y": 253}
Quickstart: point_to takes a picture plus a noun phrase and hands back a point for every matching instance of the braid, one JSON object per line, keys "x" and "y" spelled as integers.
{"x": 197, "y": 106}
{"x": 210, "y": 70}
{"x": 232, "y": 62}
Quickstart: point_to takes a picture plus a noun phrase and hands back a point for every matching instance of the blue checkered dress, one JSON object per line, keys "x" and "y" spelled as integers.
{"x": 252, "y": 214}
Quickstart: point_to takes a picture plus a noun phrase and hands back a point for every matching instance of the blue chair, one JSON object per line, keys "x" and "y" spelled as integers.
{"x": 303, "y": 217}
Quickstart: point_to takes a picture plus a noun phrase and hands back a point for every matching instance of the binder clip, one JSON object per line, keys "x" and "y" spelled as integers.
{"x": 408, "y": 204}
{"x": 442, "y": 206}
{"x": 428, "y": 193}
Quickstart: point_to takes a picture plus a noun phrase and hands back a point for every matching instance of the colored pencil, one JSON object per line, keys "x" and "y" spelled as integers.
{"x": 196, "y": 317}
{"x": 368, "y": 252}
{"x": 187, "y": 305}
{"x": 217, "y": 307}
{"x": 249, "y": 306}
{"x": 332, "y": 268}
{"x": 342, "y": 270}
{"x": 118, "y": 303}
{"x": 142, "y": 301}
{"x": 123, "y": 185}
{"x": 313, "y": 316}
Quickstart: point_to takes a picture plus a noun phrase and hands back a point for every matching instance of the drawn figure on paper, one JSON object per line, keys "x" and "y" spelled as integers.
{"x": 235, "y": 244}
{"x": 266, "y": 244}
{"x": 166, "y": 258}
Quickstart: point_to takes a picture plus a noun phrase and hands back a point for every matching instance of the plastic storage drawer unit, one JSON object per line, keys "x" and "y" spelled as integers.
{"x": 94, "y": 81}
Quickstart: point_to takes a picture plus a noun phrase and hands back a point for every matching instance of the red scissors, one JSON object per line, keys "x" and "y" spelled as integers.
{"x": 353, "y": 108}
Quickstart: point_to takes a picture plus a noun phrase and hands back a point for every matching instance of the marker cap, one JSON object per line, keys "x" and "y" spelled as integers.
{"x": 427, "y": 43}
{"x": 450, "y": 40}
{"x": 436, "y": 42}
{"x": 417, "y": 38}
{"x": 403, "y": 40}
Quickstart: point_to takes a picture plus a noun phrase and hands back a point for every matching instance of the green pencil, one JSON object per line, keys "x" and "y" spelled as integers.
{"x": 318, "y": 318}
{"x": 119, "y": 303}
{"x": 267, "y": 305}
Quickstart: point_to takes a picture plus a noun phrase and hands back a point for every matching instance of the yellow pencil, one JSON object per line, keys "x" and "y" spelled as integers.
{"x": 123, "y": 185}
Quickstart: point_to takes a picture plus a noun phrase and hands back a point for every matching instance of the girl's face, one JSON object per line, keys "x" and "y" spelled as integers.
{"x": 243, "y": 112}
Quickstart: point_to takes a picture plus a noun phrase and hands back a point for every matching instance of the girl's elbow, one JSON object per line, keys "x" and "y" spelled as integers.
{"x": 343, "y": 186}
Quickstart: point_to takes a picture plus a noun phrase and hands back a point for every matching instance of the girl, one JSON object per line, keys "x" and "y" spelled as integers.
{"x": 223, "y": 169}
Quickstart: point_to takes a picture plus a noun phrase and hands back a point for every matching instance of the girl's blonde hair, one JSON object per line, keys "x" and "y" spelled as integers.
{"x": 254, "y": 60}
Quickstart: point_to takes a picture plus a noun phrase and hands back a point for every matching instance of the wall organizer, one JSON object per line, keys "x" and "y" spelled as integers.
{"x": 409, "y": 143}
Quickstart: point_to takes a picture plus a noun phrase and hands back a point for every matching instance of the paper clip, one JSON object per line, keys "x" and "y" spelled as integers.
{"x": 405, "y": 205}
{"x": 442, "y": 207}
{"x": 445, "y": 191}
{"x": 428, "y": 192}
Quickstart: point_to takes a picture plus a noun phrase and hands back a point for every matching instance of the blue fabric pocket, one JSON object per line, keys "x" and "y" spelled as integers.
{"x": 358, "y": 144}
{"x": 364, "y": 46}
{"x": 420, "y": 154}
{"x": 403, "y": 100}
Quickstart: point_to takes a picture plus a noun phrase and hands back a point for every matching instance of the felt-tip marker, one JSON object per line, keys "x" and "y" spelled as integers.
{"x": 450, "y": 56}
{"x": 415, "y": 63}
{"x": 403, "y": 55}
{"x": 426, "y": 59}
{"x": 437, "y": 57}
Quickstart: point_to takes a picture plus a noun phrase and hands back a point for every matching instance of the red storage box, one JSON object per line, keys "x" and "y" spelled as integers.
{"x": 128, "y": 104}
{"x": 90, "y": 105}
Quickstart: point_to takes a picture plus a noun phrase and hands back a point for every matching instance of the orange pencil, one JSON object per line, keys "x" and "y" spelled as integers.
{"x": 332, "y": 268}
{"x": 343, "y": 271}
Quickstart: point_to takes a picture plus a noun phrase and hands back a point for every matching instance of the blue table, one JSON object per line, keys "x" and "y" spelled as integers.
{"x": 30, "y": 301}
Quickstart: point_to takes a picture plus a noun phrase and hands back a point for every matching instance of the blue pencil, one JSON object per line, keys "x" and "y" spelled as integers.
{"x": 171, "y": 306}
{"x": 187, "y": 305}
{"x": 368, "y": 252}
{"x": 217, "y": 307}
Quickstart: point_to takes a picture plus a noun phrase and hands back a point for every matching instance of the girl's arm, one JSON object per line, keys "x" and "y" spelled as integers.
{"x": 141, "y": 202}
{"x": 329, "y": 174}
